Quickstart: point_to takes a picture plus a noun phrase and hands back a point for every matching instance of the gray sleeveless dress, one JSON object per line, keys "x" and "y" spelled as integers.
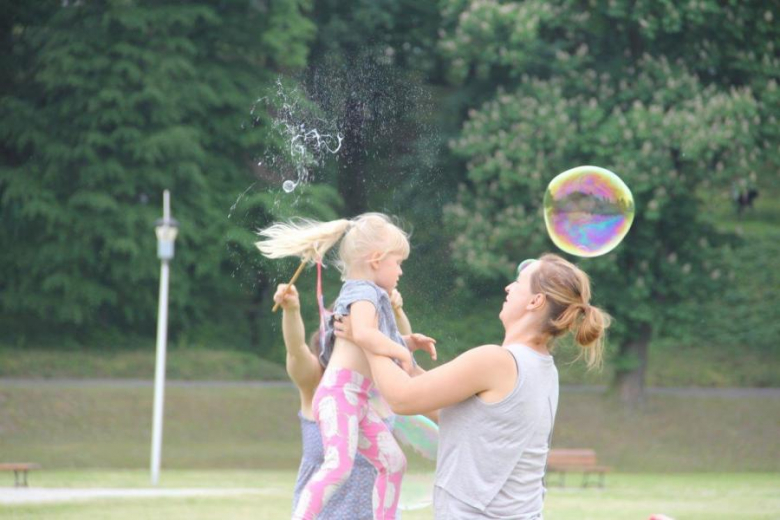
{"x": 353, "y": 500}
{"x": 492, "y": 456}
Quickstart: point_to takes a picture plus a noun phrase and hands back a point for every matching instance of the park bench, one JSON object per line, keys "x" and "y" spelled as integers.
{"x": 20, "y": 469}
{"x": 576, "y": 460}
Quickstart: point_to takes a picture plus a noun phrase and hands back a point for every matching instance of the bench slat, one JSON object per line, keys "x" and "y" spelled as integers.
{"x": 18, "y": 466}
{"x": 555, "y": 459}
{"x": 589, "y": 469}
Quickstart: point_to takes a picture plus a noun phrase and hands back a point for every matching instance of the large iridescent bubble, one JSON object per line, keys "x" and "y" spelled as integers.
{"x": 588, "y": 210}
{"x": 417, "y": 432}
{"x": 416, "y": 491}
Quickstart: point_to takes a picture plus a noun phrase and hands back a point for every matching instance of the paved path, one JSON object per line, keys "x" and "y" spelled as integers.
{"x": 16, "y": 496}
{"x": 773, "y": 393}
{"x": 134, "y": 383}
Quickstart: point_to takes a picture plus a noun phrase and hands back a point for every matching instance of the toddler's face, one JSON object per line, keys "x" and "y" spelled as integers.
{"x": 388, "y": 271}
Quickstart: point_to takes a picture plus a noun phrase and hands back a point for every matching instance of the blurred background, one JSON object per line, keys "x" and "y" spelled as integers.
{"x": 455, "y": 115}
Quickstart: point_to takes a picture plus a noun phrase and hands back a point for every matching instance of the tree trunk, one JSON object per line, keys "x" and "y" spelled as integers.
{"x": 629, "y": 382}
{"x": 254, "y": 312}
{"x": 351, "y": 181}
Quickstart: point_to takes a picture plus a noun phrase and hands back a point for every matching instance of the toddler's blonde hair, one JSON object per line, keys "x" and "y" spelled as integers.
{"x": 360, "y": 237}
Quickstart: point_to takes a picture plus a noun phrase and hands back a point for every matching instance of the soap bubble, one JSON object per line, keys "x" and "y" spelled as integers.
{"x": 416, "y": 491}
{"x": 417, "y": 432}
{"x": 588, "y": 211}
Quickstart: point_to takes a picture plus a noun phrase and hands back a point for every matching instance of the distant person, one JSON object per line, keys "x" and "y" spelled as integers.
{"x": 353, "y": 501}
{"x": 743, "y": 193}
{"x": 498, "y": 402}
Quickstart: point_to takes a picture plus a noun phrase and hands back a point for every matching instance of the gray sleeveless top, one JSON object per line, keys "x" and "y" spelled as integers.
{"x": 352, "y": 501}
{"x": 361, "y": 290}
{"x": 492, "y": 457}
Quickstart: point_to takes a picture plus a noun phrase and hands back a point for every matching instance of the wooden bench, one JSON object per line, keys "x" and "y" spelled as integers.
{"x": 576, "y": 460}
{"x": 19, "y": 469}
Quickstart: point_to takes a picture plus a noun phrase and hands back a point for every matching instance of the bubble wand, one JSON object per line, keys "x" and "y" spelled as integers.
{"x": 292, "y": 281}
{"x": 305, "y": 258}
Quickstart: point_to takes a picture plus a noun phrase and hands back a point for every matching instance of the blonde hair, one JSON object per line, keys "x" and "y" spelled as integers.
{"x": 567, "y": 290}
{"x": 361, "y": 236}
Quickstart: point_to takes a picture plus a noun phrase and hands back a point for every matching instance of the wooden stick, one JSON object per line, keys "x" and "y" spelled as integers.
{"x": 292, "y": 281}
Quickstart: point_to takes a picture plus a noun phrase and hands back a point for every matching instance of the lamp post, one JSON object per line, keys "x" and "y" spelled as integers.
{"x": 166, "y": 229}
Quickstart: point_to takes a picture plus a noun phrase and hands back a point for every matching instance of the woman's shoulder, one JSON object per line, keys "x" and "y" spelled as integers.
{"x": 488, "y": 349}
{"x": 486, "y": 355}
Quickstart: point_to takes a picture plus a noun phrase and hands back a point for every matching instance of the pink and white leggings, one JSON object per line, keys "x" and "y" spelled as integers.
{"x": 349, "y": 425}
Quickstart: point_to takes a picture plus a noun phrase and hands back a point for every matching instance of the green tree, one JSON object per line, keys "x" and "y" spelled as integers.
{"x": 113, "y": 102}
{"x": 367, "y": 67}
{"x": 616, "y": 84}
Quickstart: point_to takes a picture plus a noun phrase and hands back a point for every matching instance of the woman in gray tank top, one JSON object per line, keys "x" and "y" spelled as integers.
{"x": 353, "y": 501}
{"x": 498, "y": 403}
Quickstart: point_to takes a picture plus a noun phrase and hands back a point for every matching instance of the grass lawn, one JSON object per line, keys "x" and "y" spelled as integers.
{"x": 181, "y": 364}
{"x": 691, "y": 457}
{"x": 671, "y": 364}
{"x": 208, "y": 426}
{"x": 700, "y": 496}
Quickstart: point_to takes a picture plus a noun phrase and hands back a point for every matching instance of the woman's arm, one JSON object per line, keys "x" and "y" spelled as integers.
{"x": 471, "y": 373}
{"x": 302, "y": 365}
{"x": 432, "y": 414}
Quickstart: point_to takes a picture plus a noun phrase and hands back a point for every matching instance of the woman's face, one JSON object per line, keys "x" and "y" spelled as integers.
{"x": 519, "y": 297}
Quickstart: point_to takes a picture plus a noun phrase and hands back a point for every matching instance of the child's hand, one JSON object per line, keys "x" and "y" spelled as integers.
{"x": 287, "y": 298}
{"x": 396, "y": 300}
{"x": 422, "y": 342}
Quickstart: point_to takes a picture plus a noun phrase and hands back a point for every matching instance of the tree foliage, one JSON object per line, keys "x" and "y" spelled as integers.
{"x": 112, "y": 102}
{"x": 105, "y": 103}
{"x": 637, "y": 87}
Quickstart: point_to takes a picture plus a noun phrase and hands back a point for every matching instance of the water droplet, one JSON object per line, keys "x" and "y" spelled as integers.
{"x": 288, "y": 186}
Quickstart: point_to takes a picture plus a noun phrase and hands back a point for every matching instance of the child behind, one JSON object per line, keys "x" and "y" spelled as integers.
{"x": 370, "y": 255}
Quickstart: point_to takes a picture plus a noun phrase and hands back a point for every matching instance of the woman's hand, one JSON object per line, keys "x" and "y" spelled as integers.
{"x": 417, "y": 341}
{"x": 287, "y": 298}
{"x": 342, "y": 327}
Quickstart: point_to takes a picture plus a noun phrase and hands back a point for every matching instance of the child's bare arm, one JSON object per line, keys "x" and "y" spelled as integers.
{"x": 302, "y": 366}
{"x": 405, "y": 328}
{"x": 366, "y": 335}
{"x": 397, "y": 301}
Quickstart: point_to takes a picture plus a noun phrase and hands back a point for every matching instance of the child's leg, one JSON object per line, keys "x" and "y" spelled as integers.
{"x": 335, "y": 408}
{"x": 377, "y": 444}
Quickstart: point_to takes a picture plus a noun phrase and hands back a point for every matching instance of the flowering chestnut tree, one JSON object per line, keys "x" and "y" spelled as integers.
{"x": 593, "y": 83}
